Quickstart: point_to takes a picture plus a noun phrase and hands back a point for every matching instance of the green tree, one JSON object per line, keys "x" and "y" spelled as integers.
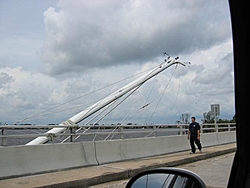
{"x": 208, "y": 117}
{"x": 184, "y": 119}
{"x": 234, "y": 119}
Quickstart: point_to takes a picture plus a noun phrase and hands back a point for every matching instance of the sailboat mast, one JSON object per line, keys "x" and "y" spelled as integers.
{"x": 109, "y": 99}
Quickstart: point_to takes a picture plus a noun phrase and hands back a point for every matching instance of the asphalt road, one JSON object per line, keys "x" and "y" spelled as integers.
{"x": 214, "y": 171}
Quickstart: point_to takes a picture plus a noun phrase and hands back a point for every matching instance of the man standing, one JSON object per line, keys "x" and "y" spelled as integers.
{"x": 194, "y": 135}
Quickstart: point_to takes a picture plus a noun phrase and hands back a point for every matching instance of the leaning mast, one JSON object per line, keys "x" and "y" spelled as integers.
{"x": 106, "y": 101}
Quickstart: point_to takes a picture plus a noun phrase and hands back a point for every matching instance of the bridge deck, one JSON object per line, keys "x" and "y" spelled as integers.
{"x": 87, "y": 176}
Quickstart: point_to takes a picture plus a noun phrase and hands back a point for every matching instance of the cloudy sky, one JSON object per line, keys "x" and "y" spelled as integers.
{"x": 59, "y": 57}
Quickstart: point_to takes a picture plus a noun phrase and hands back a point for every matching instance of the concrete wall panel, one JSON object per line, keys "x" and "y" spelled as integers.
{"x": 23, "y": 160}
{"x": 20, "y": 160}
{"x": 209, "y": 139}
{"x": 226, "y": 137}
{"x": 118, "y": 150}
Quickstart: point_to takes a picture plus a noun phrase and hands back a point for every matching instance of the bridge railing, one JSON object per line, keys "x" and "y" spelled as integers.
{"x": 21, "y": 134}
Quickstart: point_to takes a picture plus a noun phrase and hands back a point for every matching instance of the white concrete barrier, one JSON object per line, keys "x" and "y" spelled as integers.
{"x": 226, "y": 137}
{"x": 24, "y": 160}
{"x": 209, "y": 139}
{"x": 118, "y": 150}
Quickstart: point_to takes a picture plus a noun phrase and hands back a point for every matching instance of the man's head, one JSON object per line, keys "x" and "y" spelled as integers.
{"x": 193, "y": 119}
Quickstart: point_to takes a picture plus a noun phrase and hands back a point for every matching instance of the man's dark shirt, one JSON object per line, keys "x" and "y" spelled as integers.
{"x": 193, "y": 127}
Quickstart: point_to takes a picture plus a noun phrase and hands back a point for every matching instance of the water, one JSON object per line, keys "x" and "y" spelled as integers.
{"x": 90, "y": 135}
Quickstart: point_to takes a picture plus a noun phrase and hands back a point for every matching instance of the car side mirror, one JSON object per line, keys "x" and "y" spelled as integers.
{"x": 166, "y": 178}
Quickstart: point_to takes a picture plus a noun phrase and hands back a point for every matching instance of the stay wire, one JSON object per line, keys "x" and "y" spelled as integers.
{"x": 142, "y": 108}
{"x": 67, "y": 102}
{"x": 88, "y": 128}
{"x": 162, "y": 94}
{"x": 170, "y": 109}
{"x": 178, "y": 91}
{"x": 138, "y": 100}
{"x": 104, "y": 114}
{"x": 120, "y": 103}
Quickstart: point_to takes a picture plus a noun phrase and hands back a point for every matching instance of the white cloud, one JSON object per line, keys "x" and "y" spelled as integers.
{"x": 87, "y": 34}
{"x": 92, "y": 44}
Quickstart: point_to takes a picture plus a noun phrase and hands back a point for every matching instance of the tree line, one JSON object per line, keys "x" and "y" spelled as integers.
{"x": 208, "y": 117}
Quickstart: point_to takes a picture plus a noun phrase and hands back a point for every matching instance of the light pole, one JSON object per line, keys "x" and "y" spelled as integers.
{"x": 215, "y": 110}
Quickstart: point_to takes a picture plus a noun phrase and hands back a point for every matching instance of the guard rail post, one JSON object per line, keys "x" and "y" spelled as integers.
{"x": 181, "y": 129}
{"x": 154, "y": 129}
{"x": 216, "y": 127}
{"x": 121, "y": 132}
{"x": 72, "y": 133}
{"x": 4, "y": 139}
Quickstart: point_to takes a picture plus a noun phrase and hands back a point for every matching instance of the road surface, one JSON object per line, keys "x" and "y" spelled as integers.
{"x": 214, "y": 171}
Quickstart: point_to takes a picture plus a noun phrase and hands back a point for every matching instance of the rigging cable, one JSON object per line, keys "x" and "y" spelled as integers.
{"x": 143, "y": 107}
{"x": 140, "y": 99}
{"x": 104, "y": 115}
{"x": 123, "y": 101}
{"x": 67, "y": 102}
{"x": 88, "y": 128}
{"x": 162, "y": 95}
{"x": 170, "y": 110}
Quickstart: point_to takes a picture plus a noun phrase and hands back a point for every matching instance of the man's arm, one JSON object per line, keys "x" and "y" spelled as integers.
{"x": 198, "y": 134}
{"x": 188, "y": 134}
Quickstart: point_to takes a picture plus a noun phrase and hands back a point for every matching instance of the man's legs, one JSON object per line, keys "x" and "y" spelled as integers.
{"x": 198, "y": 143}
{"x": 192, "y": 140}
